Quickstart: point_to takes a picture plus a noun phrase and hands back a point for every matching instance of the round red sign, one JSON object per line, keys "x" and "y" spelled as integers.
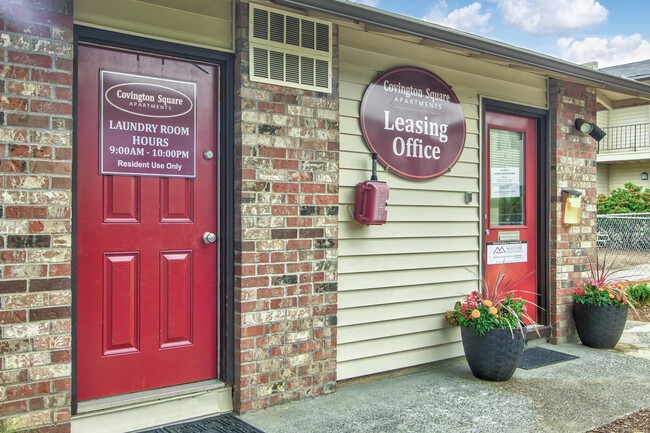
{"x": 414, "y": 122}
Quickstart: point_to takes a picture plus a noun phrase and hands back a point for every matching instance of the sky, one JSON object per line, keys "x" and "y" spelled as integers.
{"x": 611, "y": 32}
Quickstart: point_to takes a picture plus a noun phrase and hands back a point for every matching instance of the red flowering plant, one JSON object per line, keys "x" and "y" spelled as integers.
{"x": 602, "y": 290}
{"x": 493, "y": 306}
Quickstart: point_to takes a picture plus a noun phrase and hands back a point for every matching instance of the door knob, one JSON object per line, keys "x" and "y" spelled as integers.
{"x": 209, "y": 237}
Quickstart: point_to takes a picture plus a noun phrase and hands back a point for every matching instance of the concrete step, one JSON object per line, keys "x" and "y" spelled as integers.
{"x": 146, "y": 410}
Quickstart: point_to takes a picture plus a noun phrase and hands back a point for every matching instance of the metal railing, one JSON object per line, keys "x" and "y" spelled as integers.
{"x": 625, "y": 240}
{"x": 626, "y": 138}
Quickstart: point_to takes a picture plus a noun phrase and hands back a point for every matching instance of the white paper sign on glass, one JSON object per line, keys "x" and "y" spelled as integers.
{"x": 504, "y": 182}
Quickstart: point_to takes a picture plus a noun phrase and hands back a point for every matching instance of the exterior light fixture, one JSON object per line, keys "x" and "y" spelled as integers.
{"x": 590, "y": 128}
{"x": 572, "y": 209}
{"x": 644, "y": 176}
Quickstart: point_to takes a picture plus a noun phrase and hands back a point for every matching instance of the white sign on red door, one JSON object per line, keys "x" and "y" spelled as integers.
{"x": 507, "y": 252}
{"x": 148, "y": 126}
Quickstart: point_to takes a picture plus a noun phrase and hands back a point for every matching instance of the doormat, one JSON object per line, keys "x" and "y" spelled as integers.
{"x": 227, "y": 423}
{"x": 536, "y": 357}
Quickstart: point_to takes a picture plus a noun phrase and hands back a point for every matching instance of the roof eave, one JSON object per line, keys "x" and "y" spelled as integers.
{"x": 414, "y": 27}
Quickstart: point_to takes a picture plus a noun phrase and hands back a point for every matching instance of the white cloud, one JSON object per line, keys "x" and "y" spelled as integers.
{"x": 468, "y": 18}
{"x": 545, "y": 17}
{"x": 373, "y": 3}
{"x": 612, "y": 51}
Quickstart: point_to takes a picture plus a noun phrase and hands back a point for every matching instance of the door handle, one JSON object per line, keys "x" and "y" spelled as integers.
{"x": 209, "y": 237}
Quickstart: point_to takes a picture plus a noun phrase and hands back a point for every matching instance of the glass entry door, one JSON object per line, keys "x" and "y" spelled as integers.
{"x": 511, "y": 202}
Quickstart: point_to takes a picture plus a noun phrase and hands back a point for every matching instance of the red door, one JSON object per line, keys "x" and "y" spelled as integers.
{"x": 146, "y": 280}
{"x": 511, "y": 202}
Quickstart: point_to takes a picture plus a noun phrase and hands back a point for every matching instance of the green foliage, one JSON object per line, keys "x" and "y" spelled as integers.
{"x": 602, "y": 290}
{"x": 596, "y": 294}
{"x": 482, "y": 315}
{"x": 639, "y": 294}
{"x": 630, "y": 199}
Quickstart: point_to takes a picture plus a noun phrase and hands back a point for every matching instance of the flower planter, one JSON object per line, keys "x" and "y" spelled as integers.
{"x": 599, "y": 326}
{"x": 495, "y": 355}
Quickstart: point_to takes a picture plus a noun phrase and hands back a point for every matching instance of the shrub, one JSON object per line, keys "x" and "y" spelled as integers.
{"x": 629, "y": 199}
{"x": 640, "y": 294}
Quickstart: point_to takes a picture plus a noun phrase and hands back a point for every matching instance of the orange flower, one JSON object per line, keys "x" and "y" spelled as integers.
{"x": 600, "y": 289}
{"x": 487, "y": 303}
{"x": 611, "y": 296}
{"x": 493, "y": 310}
{"x": 476, "y": 314}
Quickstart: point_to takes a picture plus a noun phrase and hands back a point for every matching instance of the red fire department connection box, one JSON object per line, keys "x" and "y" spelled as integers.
{"x": 370, "y": 205}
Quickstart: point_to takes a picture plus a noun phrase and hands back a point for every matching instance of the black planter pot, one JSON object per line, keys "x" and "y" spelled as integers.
{"x": 495, "y": 355}
{"x": 599, "y": 326}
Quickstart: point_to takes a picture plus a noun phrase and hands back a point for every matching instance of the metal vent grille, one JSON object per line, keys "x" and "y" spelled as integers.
{"x": 290, "y": 50}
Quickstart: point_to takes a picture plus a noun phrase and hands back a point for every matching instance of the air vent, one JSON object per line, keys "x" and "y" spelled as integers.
{"x": 290, "y": 50}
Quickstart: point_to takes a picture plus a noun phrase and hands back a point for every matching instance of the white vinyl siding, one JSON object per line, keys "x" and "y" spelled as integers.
{"x": 628, "y": 116}
{"x": 203, "y": 23}
{"x": 602, "y": 186}
{"x": 624, "y": 172}
{"x": 397, "y": 280}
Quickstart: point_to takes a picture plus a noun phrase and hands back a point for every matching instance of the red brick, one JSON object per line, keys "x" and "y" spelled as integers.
{"x": 64, "y": 64}
{"x": 279, "y": 303}
{"x": 254, "y": 282}
{"x": 60, "y": 78}
{"x": 27, "y": 390}
{"x": 51, "y": 107}
{"x": 60, "y": 270}
{"x": 14, "y": 104}
{"x": 270, "y": 269}
{"x": 273, "y": 152}
{"x": 35, "y": 90}
{"x": 50, "y": 284}
{"x": 61, "y": 356}
{"x": 15, "y": 72}
{"x": 61, "y": 385}
{"x": 247, "y": 307}
{"x": 285, "y": 187}
{"x": 30, "y": 59}
{"x": 254, "y": 331}
{"x": 271, "y": 107}
{"x": 298, "y": 245}
{"x": 13, "y": 316}
{"x": 16, "y": 26}
{"x": 13, "y": 286}
{"x": 13, "y": 407}
{"x": 61, "y": 183}
{"x": 50, "y": 313}
{"x": 285, "y": 164}
{"x": 299, "y": 222}
{"x": 288, "y": 256}
{"x": 47, "y": 167}
{"x": 313, "y": 188}
{"x": 63, "y": 93}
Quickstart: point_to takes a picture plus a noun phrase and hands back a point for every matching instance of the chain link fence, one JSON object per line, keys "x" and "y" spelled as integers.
{"x": 625, "y": 238}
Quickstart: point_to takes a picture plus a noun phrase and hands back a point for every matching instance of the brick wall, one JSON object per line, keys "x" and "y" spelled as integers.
{"x": 573, "y": 166}
{"x": 286, "y": 209}
{"x": 35, "y": 210}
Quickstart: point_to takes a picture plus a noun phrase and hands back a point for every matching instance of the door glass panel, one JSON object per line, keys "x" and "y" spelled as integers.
{"x": 506, "y": 178}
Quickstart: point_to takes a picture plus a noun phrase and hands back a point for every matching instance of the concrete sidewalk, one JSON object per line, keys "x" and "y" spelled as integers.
{"x": 572, "y": 396}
